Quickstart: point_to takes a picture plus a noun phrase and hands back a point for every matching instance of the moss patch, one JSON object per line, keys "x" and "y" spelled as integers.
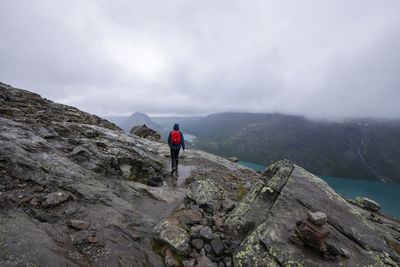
{"x": 241, "y": 192}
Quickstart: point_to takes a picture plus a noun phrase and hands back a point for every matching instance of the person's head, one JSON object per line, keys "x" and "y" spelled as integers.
{"x": 176, "y": 127}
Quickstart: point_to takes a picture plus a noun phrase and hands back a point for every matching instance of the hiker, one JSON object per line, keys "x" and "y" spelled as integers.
{"x": 175, "y": 141}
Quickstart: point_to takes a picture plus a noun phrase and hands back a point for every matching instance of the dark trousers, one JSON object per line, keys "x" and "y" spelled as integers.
{"x": 174, "y": 158}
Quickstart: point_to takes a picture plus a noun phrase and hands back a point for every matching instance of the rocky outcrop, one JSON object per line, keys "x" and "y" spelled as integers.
{"x": 287, "y": 193}
{"x": 367, "y": 203}
{"x": 75, "y": 190}
{"x": 145, "y": 132}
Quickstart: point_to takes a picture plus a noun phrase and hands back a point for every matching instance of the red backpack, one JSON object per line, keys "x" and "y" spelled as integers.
{"x": 175, "y": 138}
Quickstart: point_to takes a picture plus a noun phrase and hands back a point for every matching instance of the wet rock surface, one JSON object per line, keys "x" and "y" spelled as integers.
{"x": 75, "y": 190}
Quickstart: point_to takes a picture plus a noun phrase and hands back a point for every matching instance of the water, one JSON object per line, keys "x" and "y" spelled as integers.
{"x": 387, "y": 195}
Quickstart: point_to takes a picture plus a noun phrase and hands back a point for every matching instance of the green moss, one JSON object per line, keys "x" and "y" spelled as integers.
{"x": 132, "y": 178}
{"x": 156, "y": 246}
{"x": 178, "y": 258}
{"x": 241, "y": 192}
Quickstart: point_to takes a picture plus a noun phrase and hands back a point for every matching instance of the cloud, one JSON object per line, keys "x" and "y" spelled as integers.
{"x": 314, "y": 58}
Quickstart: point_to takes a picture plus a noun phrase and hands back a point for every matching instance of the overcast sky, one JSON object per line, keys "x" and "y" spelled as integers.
{"x": 330, "y": 59}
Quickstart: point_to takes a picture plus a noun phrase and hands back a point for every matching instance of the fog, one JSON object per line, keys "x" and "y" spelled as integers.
{"x": 332, "y": 60}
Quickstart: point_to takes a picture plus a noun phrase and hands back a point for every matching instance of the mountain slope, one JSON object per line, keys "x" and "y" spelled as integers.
{"x": 139, "y": 118}
{"x": 358, "y": 149}
{"x": 73, "y": 193}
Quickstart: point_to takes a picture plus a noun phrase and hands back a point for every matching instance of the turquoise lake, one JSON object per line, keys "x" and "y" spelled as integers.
{"x": 387, "y": 195}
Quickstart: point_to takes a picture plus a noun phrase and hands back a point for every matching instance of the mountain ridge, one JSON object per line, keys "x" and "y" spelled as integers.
{"x": 76, "y": 190}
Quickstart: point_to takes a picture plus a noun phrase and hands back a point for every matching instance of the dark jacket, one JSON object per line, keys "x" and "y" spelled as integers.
{"x": 176, "y": 128}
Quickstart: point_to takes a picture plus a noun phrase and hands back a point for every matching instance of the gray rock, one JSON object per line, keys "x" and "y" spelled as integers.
{"x": 207, "y": 248}
{"x": 300, "y": 191}
{"x": 205, "y": 193}
{"x": 79, "y": 224}
{"x": 228, "y": 262}
{"x": 198, "y": 243}
{"x": 173, "y": 236}
{"x": 195, "y": 230}
{"x": 228, "y": 204}
{"x": 70, "y": 211}
{"x": 367, "y": 203}
{"x": 318, "y": 218}
{"x": 218, "y": 246}
{"x": 344, "y": 252}
{"x": 55, "y": 198}
{"x": 189, "y": 263}
{"x": 205, "y": 262}
{"x": 206, "y": 233}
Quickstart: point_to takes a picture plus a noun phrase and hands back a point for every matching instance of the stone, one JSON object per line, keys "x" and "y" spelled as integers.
{"x": 79, "y": 224}
{"x": 190, "y": 217}
{"x": 318, "y": 218}
{"x": 189, "y": 263}
{"x": 344, "y": 252}
{"x": 218, "y": 221}
{"x": 233, "y": 159}
{"x": 198, "y": 243}
{"x": 26, "y": 200}
{"x": 207, "y": 248}
{"x": 205, "y": 193}
{"x": 172, "y": 235}
{"x": 206, "y": 233}
{"x": 53, "y": 199}
{"x": 34, "y": 201}
{"x": 70, "y": 211}
{"x": 235, "y": 243}
{"x": 221, "y": 264}
{"x": 228, "y": 204}
{"x": 195, "y": 230}
{"x": 205, "y": 262}
{"x": 169, "y": 259}
{"x": 79, "y": 238}
{"x": 228, "y": 261}
{"x": 218, "y": 246}
{"x": 367, "y": 203}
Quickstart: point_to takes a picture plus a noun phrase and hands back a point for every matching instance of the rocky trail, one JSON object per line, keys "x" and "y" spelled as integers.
{"x": 75, "y": 190}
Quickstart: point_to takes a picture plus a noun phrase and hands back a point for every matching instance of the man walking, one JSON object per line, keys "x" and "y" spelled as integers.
{"x": 175, "y": 141}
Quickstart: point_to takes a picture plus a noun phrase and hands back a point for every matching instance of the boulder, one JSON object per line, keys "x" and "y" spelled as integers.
{"x": 367, "y": 203}
{"x": 173, "y": 236}
{"x": 205, "y": 193}
{"x": 145, "y": 132}
{"x": 295, "y": 192}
